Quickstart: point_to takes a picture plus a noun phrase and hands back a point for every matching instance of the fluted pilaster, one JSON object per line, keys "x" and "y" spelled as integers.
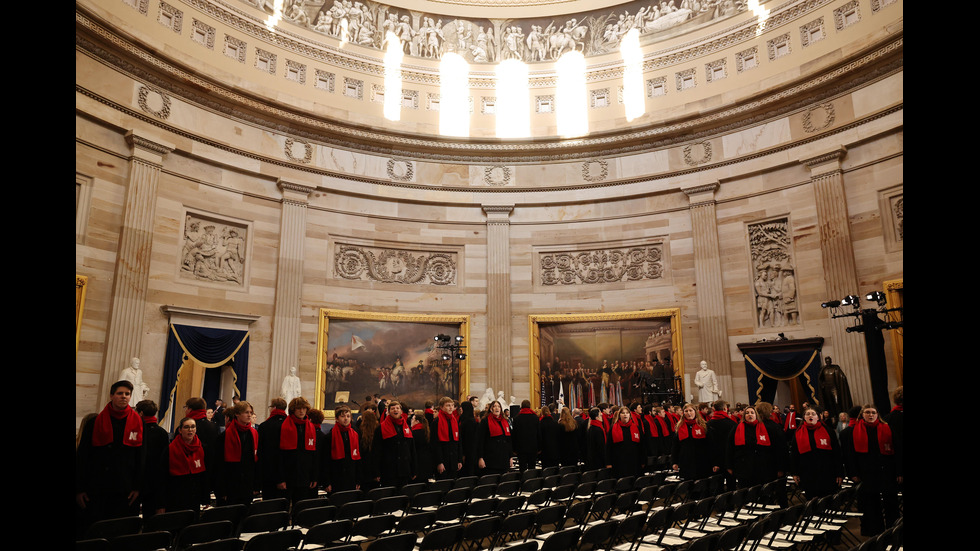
{"x": 840, "y": 273}
{"x": 500, "y": 375}
{"x": 710, "y": 289}
{"x": 289, "y": 288}
{"x": 133, "y": 256}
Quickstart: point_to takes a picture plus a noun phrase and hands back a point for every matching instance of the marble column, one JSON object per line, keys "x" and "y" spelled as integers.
{"x": 839, "y": 270}
{"x": 289, "y": 289}
{"x": 133, "y": 257}
{"x": 712, "y": 321}
{"x": 500, "y": 375}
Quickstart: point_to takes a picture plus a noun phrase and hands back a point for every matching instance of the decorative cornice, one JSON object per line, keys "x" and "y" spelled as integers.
{"x": 147, "y": 144}
{"x": 825, "y": 163}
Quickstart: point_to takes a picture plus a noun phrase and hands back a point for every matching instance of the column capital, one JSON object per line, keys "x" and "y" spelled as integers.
{"x": 294, "y": 193}
{"x": 826, "y": 162}
{"x": 148, "y": 147}
{"x": 498, "y": 214}
{"x": 701, "y": 195}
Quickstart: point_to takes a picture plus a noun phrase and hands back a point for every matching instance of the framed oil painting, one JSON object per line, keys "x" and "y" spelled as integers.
{"x": 397, "y": 356}
{"x": 586, "y": 359}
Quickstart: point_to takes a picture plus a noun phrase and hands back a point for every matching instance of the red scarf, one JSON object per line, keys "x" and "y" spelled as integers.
{"x": 820, "y": 437}
{"x": 690, "y": 428}
{"x": 775, "y": 416}
{"x": 186, "y": 458}
{"x": 429, "y": 411}
{"x": 791, "y": 421}
{"x": 526, "y": 410}
{"x": 860, "y": 437}
{"x": 498, "y": 426}
{"x": 674, "y": 418}
{"x": 448, "y": 428}
{"x": 337, "y": 443}
{"x": 198, "y": 414}
{"x": 233, "y": 441}
{"x": 634, "y": 431}
{"x": 287, "y": 436}
{"x": 151, "y": 419}
{"x": 897, "y": 408}
{"x": 276, "y": 412}
{"x": 388, "y": 427}
{"x": 718, "y": 415}
{"x": 102, "y": 429}
{"x": 606, "y": 425}
{"x": 761, "y": 434}
{"x": 597, "y": 423}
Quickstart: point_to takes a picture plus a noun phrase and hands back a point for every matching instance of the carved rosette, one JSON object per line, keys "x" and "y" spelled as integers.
{"x": 602, "y": 266}
{"x": 395, "y": 266}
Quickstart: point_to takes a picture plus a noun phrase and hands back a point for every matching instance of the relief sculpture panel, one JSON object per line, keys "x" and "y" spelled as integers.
{"x": 385, "y": 265}
{"x": 606, "y": 265}
{"x": 214, "y": 250}
{"x": 774, "y": 273}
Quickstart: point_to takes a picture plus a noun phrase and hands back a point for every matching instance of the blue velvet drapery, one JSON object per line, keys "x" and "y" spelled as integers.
{"x": 211, "y": 348}
{"x": 764, "y": 370}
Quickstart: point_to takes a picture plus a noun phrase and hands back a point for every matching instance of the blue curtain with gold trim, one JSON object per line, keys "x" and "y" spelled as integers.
{"x": 207, "y": 348}
{"x": 764, "y": 370}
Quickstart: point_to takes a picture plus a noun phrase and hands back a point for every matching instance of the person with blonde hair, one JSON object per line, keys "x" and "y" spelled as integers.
{"x": 446, "y": 443}
{"x": 625, "y": 445}
{"x": 568, "y": 439}
{"x": 756, "y": 449}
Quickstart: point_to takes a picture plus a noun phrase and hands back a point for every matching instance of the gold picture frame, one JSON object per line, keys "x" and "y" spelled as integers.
{"x": 414, "y": 324}
{"x": 536, "y": 320}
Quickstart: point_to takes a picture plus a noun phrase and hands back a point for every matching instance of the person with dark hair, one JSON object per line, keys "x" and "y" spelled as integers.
{"x": 658, "y": 429}
{"x": 525, "y": 436}
{"x": 297, "y": 448}
{"x": 187, "y": 477}
{"x": 625, "y": 445}
{"x": 369, "y": 477}
{"x": 468, "y": 426}
{"x": 690, "y": 454}
{"x": 816, "y": 461}
{"x": 238, "y": 479}
{"x": 869, "y": 460}
{"x": 394, "y": 449}
{"x": 447, "y": 446}
{"x": 720, "y": 426}
{"x": 549, "y": 438}
{"x": 423, "y": 441}
{"x": 109, "y": 461}
{"x": 896, "y": 421}
{"x": 343, "y": 455}
{"x": 494, "y": 447}
{"x": 156, "y": 440}
{"x": 207, "y": 433}
{"x": 597, "y": 450}
{"x": 270, "y": 458}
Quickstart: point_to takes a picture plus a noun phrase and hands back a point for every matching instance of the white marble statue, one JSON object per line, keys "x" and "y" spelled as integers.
{"x": 487, "y": 398}
{"x": 513, "y": 401}
{"x": 503, "y": 402}
{"x": 134, "y": 374}
{"x": 707, "y": 383}
{"x": 291, "y": 386}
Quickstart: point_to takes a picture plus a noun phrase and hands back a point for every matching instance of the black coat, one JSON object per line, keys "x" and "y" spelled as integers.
{"x": 270, "y": 458}
{"x": 394, "y": 458}
{"x": 449, "y": 453}
{"x": 596, "y": 458}
{"x": 549, "y": 441}
{"x": 524, "y": 431}
{"x": 237, "y": 480}
{"x": 719, "y": 431}
{"x": 752, "y": 463}
{"x": 627, "y": 457}
{"x": 818, "y": 469}
{"x": 340, "y": 474}
{"x": 494, "y": 450}
{"x": 468, "y": 428}
{"x": 692, "y": 456}
{"x": 155, "y": 443}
